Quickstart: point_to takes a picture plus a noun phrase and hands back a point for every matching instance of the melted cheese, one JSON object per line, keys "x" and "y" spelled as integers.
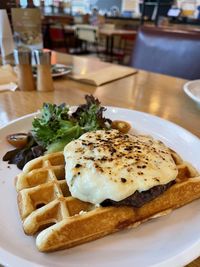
{"x": 109, "y": 165}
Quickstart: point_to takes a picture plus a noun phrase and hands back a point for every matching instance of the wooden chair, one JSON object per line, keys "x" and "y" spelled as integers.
{"x": 167, "y": 51}
{"x": 89, "y": 36}
{"x": 57, "y": 38}
{"x": 124, "y": 50}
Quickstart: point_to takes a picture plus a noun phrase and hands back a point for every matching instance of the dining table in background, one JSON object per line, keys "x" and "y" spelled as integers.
{"x": 110, "y": 34}
{"x": 156, "y": 94}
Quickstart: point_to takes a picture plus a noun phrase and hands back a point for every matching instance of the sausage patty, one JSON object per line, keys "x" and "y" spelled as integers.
{"x": 138, "y": 199}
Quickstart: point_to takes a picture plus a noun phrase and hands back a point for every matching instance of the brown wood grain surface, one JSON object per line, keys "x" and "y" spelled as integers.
{"x": 156, "y": 94}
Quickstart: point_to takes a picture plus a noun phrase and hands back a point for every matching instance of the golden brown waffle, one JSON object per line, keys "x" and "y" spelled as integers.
{"x": 62, "y": 221}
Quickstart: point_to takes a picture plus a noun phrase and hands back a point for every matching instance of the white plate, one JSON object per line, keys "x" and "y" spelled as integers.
{"x": 64, "y": 69}
{"x": 172, "y": 240}
{"x": 192, "y": 89}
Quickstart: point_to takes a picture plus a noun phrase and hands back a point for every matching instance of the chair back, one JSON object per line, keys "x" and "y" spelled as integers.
{"x": 108, "y": 26}
{"x": 167, "y": 51}
{"x": 87, "y": 33}
{"x": 56, "y": 32}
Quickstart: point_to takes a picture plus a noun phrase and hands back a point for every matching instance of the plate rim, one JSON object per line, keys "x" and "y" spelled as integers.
{"x": 64, "y": 72}
{"x": 109, "y": 107}
{"x": 54, "y": 75}
{"x": 188, "y": 91}
{"x": 182, "y": 258}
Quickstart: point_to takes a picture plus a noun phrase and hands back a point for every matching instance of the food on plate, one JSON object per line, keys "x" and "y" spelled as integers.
{"x": 103, "y": 182}
{"x": 108, "y": 166}
{"x": 57, "y": 125}
{"x": 122, "y": 126}
{"x": 18, "y": 140}
{"x": 20, "y": 156}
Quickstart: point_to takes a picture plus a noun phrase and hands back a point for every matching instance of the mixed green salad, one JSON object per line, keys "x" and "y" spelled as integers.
{"x": 56, "y": 126}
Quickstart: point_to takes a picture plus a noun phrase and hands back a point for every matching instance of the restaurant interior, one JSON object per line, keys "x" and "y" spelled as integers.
{"x": 112, "y": 30}
{"x": 131, "y": 66}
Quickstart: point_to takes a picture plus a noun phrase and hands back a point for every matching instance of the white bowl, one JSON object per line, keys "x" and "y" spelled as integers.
{"x": 192, "y": 89}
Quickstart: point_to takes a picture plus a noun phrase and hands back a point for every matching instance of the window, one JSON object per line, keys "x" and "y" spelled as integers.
{"x": 24, "y": 3}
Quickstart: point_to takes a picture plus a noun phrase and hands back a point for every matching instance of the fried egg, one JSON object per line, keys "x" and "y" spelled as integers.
{"x": 106, "y": 164}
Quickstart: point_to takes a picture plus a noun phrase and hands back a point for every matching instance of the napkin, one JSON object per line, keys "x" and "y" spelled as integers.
{"x": 8, "y": 87}
{"x": 8, "y": 78}
{"x": 6, "y": 39}
{"x": 104, "y": 75}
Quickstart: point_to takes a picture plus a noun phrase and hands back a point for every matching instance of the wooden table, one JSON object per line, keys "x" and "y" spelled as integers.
{"x": 153, "y": 93}
{"x": 110, "y": 34}
{"x": 116, "y": 32}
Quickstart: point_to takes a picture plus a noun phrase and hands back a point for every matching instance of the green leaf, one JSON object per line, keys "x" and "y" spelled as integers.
{"x": 46, "y": 126}
{"x": 55, "y": 127}
{"x": 64, "y": 138}
{"x": 90, "y": 115}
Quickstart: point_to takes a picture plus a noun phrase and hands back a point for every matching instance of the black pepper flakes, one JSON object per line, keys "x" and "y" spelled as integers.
{"x": 78, "y": 165}
{"x": 123, "y": 180}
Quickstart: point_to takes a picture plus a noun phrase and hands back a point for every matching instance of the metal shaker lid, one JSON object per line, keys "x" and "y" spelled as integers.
{"x": 42, "y": 57}
{"x": 22, "y": 56}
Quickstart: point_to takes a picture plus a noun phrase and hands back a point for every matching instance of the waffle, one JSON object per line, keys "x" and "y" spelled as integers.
{"x": 60, "y": 221}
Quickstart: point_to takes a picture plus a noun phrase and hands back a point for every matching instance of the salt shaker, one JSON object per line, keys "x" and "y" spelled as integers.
{"x": 22, "y": 58}
{"x": 44, "y": 76}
